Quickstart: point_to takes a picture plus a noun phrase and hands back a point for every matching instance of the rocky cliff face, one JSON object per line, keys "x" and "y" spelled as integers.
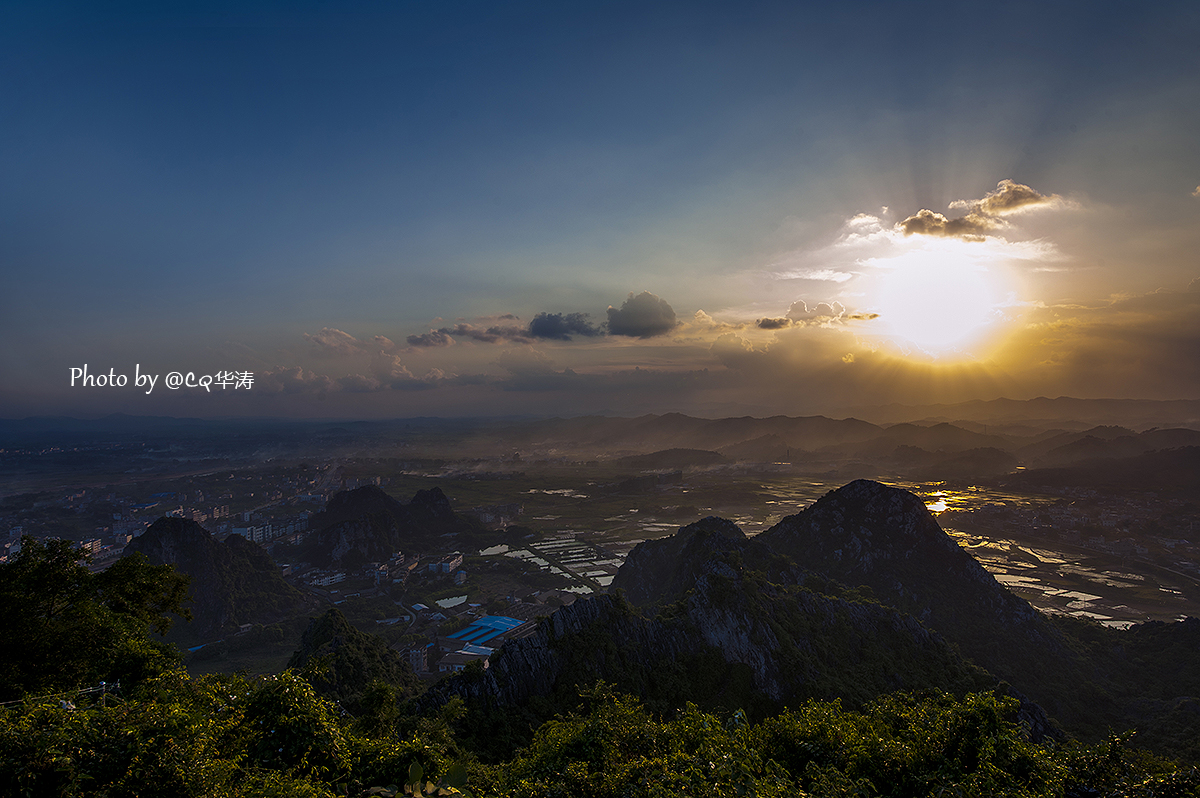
{"x": 786, "y": 640}
{"x": 870, "y": 534}
{"x": 232, "y": 582}
{"x": 660, "y": 571}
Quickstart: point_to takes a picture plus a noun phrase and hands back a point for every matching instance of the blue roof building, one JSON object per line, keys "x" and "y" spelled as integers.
{"x": 487, "y": 628}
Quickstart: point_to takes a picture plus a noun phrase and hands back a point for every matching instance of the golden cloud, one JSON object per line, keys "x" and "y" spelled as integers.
{"x": 983, "y": 216}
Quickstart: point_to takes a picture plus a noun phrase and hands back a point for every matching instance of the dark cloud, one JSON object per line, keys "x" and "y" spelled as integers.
{"x": 641, "y": 316}
{"x": 488, "y": 335}
{"x": 431, "y": 338}
{"x": 495, "y": 334}
{"x": 561, "y": 326}
{"x": 773, "y": 324}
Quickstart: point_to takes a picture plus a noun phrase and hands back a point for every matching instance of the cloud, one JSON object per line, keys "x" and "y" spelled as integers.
{"x": 820, "y": 275}
{"x": 822, "y": 312}
{"x": 983, "y": 216}
{"x": 773, "y": 324}
{"x": 386, "y": 373}
{"x": 1196, "y": 193}
{"x": 1009, "y": 197}
{"x": 387, "y": 367}
{"x": 641, "y": 316}
{"x": 552, "y": 326}
{"x": 488, "y": 335}
{"x": 330, "y": 341}
{"x": 384, "y": 343}
{"x": 431, "y": 338}
{"x": 972, "y": 227}
{"x": 827, "y": 367}
{"x": 864, "y": 229}
{"x": 292, "y": 381}
{"x": 561, "y": 326}
{"x": 702, "y": 322}
{"x": 357, "y": 383}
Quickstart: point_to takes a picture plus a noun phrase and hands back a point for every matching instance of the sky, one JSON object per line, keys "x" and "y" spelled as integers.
{"x": 383, "y": 210}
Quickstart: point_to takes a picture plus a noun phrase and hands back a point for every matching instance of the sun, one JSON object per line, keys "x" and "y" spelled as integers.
{"x": 939, "y": 301}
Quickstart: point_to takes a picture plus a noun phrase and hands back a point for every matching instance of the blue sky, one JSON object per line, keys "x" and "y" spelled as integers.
{"x": 207, "y": 186}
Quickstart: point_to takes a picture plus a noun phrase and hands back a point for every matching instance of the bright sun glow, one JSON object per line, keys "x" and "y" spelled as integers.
{"x": 939, "y": 301}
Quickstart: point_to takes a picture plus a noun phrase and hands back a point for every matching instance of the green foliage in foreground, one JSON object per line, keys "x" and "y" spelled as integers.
{"x": 238, "y": 736}
{"x": 65, "y": 627}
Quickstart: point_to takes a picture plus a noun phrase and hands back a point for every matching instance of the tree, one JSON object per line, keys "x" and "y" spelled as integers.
{"x": 66, "y": 627}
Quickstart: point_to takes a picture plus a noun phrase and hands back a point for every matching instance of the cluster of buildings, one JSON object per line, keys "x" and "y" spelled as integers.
{"x": 497, "y": 516}
{"x": 267, "y": 530}
{"x": 477, "y": 642}
{"x": 396, "y": 571}
{"x": 11, "y": 547}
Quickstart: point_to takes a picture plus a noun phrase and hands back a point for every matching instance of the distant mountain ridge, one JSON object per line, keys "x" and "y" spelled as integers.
{"x": 848, "y": 447}
{"x": 1044, "y": 410}
{"x": 1163, "y": 471}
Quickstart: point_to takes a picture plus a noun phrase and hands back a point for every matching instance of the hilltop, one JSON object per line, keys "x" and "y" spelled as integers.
{"x": 232, "y": 582}
{"x": 368, "y": 525}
